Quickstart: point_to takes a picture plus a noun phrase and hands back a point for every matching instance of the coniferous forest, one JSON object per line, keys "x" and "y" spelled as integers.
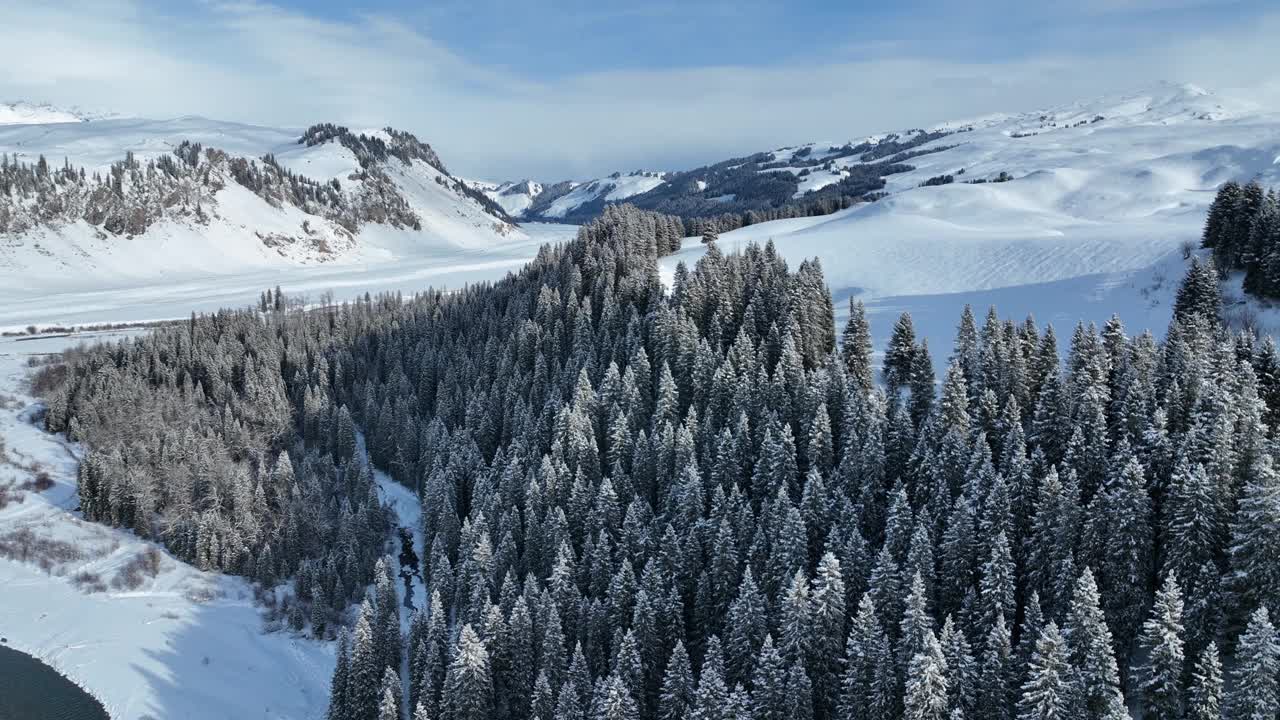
{"x": 708, "y": 503}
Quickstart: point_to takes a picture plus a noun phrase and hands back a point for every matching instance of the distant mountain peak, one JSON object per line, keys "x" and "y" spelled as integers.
{"x": 22, "y": 112}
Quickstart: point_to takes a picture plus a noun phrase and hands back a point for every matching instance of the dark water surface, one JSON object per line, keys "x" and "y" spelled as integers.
{"x": 31, "y": 690}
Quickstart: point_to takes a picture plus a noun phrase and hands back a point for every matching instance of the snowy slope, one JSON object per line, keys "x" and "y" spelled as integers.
{"x": 181, "y": 644}
{"x": 244, "y": 233}
{"x": 1092, "y": 223}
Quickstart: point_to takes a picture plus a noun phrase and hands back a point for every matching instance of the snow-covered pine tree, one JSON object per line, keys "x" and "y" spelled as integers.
{"x": 677, "y": 698}
{"x": 1161, "y": 641}
{"x": 927, "y": 694}
{"x": 468, "y": 687}
{"x": 1050, "y": 691}
{"x": 1091, "y": 653}
{"x": 1253, "y": 690}
{"x": 1204, "y": 696}
{"x": 899, "y": 356}
{"x": 1255, "y": 539}
{"x": 855, "y": 347}
{"x": 389, "y": 696}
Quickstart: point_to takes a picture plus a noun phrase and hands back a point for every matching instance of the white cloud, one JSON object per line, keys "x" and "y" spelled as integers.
{"x": 256, "y": 62}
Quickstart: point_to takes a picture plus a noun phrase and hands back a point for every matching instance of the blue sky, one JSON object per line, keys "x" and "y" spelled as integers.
{"x": 562, "y": 37}
{"x": 574, "y": 88}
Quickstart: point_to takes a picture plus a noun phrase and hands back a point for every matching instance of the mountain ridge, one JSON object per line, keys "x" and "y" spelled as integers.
{"x": 816, "y": 166}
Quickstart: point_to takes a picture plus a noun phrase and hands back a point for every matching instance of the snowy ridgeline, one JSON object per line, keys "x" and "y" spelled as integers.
{"x": 1163, "y": 121}
{"x": 149, "y": 635}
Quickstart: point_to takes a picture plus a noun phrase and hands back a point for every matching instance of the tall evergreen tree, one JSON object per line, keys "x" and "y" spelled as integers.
{"x": 1090, "y": 647}
{"x": 855, "y": 347}
{"x": 1255, "y": 539}
{"x": 468, "y": 688}
{"x": 1204, "y": 697}
{"x": 1050, "y": 692}
{"x": 1253, "y": 691}
{"x": 1162, "y": 643}
{"x": 389, "y": 696}
{"x": 927, "y": 694}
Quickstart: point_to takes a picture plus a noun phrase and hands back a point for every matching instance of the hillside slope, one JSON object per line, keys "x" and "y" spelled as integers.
{"x": 121, "y": 201}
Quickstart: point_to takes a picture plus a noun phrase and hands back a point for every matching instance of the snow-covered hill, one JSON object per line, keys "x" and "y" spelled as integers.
{"x": 1103, "y": 196}
{"x": 379, "y": 196}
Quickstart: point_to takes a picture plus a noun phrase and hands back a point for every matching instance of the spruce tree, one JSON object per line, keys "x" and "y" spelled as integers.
{"x": 1253, "y": 691}
{"x": 1204, "y": 696}
{"x": 828, "y": 639}
{"x": 962, "y": 669}
{"x": 365, "y": 670}
{"x": 899, "y": 356}
{"x": 468, "y": 688}
{"x": 1090, "y": 645}
{"x": 927, "y": 694}
{"x": 389, "y": 702}
{"x": 676, "y": 701}
{"x": 1255, "y": 539}
{"x": 1050, "y": 692}
{"x": 769, "y": 685}
{"x": 1162, "y": 644}
{"x": 855, "y": 347}
{"x": 338, "y": 708}
{"x": 995, "y": 695}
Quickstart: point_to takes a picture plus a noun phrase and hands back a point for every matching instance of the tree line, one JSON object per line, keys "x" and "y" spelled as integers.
{"x": 694, "y": 503}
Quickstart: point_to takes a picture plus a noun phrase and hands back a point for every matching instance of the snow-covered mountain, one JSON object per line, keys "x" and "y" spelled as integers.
{"x": 902, "y": 159}
{"x": 121, "y": 200}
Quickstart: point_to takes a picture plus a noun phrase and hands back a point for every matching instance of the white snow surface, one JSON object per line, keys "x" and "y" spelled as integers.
{"x": 184, "y": 644}
{"x": 139, "y": 289}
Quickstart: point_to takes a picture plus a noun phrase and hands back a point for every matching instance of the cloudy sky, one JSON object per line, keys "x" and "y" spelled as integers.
{"x": 575, "y": 88}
